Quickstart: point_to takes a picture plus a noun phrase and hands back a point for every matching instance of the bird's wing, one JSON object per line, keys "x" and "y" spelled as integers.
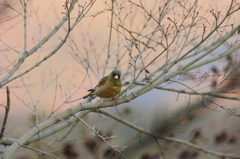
{"x": 102, "y": 81}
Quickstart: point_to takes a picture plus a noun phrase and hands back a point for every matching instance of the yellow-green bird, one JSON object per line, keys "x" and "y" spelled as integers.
{"x": 108, "y": 87}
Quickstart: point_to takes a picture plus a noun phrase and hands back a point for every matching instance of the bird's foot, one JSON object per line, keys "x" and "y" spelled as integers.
{"x": 114, "y": 99}
{"x": 102, "y": 102}
{"x": 98, "y": 110}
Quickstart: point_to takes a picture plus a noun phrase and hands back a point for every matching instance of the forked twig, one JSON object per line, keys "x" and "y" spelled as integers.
{"x": 96, "y": 133}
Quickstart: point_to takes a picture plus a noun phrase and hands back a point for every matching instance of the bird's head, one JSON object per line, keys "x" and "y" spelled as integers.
{"x": 116, "y": 74}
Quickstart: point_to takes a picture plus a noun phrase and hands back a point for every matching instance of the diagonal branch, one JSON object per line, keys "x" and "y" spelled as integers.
{"x": 137, "y": 128}
{"x": 21, "y": 60}
{"x": 190, "y": 92}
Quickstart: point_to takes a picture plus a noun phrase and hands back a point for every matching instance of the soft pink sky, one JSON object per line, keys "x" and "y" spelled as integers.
{"x": 47, "y": 14}
{"x": 43, "y": 17}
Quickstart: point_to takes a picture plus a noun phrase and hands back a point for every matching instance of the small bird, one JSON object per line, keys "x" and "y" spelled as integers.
{"x": 108, "y": 87}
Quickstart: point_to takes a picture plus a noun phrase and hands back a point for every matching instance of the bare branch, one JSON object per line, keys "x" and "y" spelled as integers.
{"x": 7, "y": 109}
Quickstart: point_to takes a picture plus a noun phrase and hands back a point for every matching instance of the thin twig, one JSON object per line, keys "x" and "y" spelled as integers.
{"x": 100, "y": 136}
{"x": 160, "y": 147}
{"x": 7, "y": 108}
{"x": 224, "y": 108}
{"x": 68, "y": 132}
{"x": 137, "y": 128}
{"x": 182, "y": 91}
{"x": 109, "y": 41}
{"x": 40, "y": 152}
{"x": 24, "y": 5}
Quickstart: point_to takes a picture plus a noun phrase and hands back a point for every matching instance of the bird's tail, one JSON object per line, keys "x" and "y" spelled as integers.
{"x": 92, "y": 92}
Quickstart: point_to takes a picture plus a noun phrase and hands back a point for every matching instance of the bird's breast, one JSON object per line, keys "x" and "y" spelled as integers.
{"x": 108, "y": 90}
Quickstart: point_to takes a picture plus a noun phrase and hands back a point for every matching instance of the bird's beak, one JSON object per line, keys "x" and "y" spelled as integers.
{"x": 116, "y": 77}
